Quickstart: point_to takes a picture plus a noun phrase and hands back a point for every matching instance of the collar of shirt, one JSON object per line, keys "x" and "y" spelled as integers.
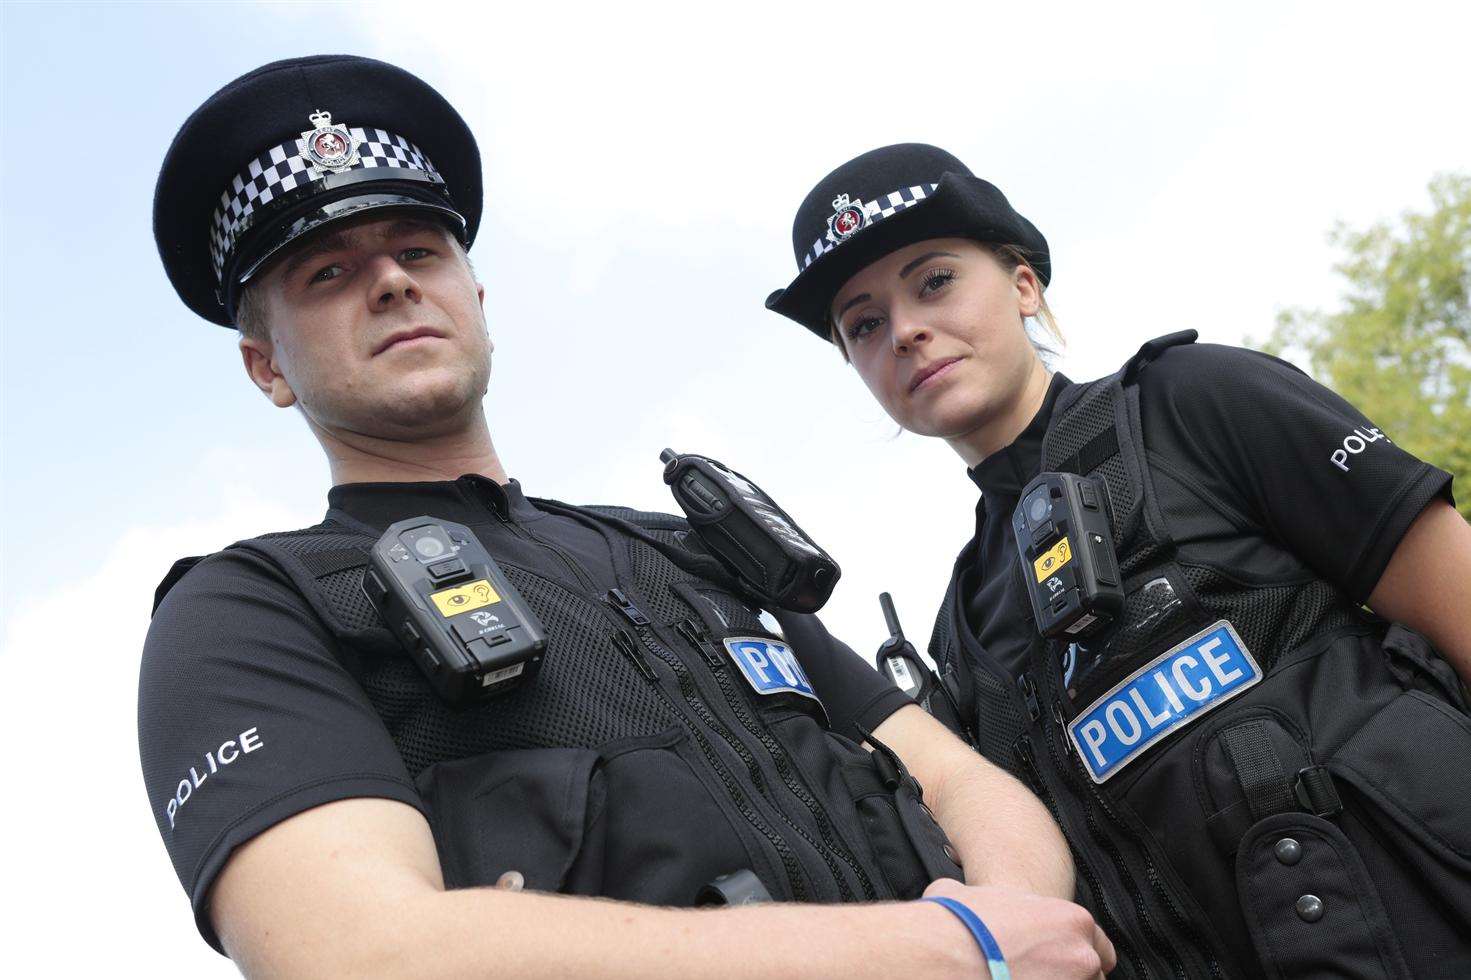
{"x": 1002, "y": 474}
{"x": 469, "y": 500}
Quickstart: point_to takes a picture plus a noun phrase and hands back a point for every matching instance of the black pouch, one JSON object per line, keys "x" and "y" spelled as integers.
{"x": 629, "y": 820}
{"x": 1407, "y": 793}
{"x": 910, "y": 847}
{"x": 535, "y": 811}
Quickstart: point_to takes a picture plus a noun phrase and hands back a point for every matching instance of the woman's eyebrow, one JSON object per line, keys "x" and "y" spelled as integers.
{"x": 860, "y": 298}
{"x": 922, "y": 259}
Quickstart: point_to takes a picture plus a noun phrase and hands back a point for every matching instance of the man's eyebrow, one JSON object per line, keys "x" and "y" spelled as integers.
{"x": 410, "y": 226}
{"x": 332, "y": 241}
{"x": 860, "y": 298}
{"x": 910, "y": 267}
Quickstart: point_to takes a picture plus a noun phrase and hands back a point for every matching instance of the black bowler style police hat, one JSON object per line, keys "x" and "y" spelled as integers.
{"x": 295, "y": 145}
{"x": 881, "y": 201}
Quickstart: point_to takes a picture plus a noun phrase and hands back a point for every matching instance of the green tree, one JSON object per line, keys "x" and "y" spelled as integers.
{"x": 1399, "y": 348}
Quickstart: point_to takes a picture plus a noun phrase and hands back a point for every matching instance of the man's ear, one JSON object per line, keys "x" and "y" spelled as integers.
{"x": 260, "y": 364}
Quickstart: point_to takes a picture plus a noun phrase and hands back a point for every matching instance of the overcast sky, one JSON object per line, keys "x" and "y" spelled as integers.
{"x": 643, "y": 163}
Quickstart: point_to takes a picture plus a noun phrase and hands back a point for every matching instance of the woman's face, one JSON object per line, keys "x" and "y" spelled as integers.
{"x": 935, "y": 330}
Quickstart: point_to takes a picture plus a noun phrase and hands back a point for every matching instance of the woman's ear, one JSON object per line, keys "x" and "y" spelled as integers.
{"x": 1028, "y": 289}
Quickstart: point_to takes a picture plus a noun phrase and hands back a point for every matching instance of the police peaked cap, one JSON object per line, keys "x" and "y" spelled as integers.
{"x": 293, "y": 146}
{"x": 881, "y": 201}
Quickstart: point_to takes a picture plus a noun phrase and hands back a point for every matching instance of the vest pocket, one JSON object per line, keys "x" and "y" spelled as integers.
{"x": 526, "y": 810}
{"x": 909, "y": 846}
{"x": 1406, "y": 793}
{"x": 1310, "y": 904}
{"x": 1409, "y": 761}
{"x": 629, "y": 820}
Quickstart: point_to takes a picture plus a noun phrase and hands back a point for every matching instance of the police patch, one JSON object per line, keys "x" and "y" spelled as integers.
{"x": 1173, "y": 690}
{"x": 769, "y": 666}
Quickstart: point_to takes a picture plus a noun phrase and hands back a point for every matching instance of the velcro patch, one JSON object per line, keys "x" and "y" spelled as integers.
{"x": 1173, "y": 690}
{"x": 769, "y": 665}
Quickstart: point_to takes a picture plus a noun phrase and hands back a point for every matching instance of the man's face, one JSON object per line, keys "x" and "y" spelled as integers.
{"x": 376, "y": 328}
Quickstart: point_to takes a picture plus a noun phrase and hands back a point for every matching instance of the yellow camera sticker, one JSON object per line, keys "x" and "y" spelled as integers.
{"x": 463, "y": 598}
{"x": 1056, "y": 557}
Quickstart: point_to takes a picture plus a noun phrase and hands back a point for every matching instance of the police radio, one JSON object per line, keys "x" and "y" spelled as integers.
{"x": 1064, "y": 536}
{"x": 750, "y": 534}
{"x": 900, "y": 663}
{"x": 454, "y": 610}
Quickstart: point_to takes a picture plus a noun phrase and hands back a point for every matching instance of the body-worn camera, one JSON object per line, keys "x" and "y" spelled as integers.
{"x": 454, "y": 610}
{"x": 1064, "y": 536}
{"x": 750, "y": 534}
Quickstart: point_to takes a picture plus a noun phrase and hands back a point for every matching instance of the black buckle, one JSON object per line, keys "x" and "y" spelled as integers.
{"x": 1315, "y": 792}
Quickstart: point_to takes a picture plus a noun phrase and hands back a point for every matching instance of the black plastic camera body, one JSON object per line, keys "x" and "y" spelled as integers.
{"x": 1064, "y": 535}
{"x": 453, "y": 609}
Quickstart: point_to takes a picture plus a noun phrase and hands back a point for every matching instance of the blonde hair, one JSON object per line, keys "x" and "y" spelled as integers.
{"x": 1046, "y": 337}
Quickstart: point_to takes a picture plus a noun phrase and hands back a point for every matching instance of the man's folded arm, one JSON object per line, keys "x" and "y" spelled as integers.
{"x": 353, "y": 888}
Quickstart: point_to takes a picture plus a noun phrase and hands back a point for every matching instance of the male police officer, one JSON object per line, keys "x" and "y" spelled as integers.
{"x": 292, "y": 753}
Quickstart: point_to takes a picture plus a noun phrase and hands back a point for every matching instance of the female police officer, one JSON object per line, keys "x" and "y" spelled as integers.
{"x": 1245, "y": 762}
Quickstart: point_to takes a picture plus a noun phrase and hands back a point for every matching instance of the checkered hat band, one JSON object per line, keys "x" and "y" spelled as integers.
{"x": 874, "y": 211}
{"x": 285, "y": 167}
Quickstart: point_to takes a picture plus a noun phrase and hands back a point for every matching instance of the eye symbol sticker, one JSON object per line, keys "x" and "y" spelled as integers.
{"x": 464, "y": 598}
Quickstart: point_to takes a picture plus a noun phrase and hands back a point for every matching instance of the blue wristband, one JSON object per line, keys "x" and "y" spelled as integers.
{"x": 995, "y": 962}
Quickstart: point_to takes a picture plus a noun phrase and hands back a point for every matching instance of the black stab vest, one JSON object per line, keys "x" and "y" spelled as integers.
{"x": 1313, "y": 826}
{"x": 639, "y": 764}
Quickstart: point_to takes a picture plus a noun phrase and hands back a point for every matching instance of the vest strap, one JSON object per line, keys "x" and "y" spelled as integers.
{"x": 1258, "y": 768}
{"x": 1093, "y": 453}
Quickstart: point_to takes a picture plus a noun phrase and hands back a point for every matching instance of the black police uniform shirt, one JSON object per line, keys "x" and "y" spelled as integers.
{"x": 1253, "y": 447}
{"x": 248, "y": 712}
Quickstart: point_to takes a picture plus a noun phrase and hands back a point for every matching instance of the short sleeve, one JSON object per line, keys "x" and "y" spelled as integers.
{"x": 246, "y": 718}
{"x": 857, "y": 697}
{"x": 1269, "y": 442}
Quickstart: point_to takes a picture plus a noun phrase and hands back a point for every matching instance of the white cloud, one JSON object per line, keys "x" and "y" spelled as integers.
{"x": 92, "y": 888}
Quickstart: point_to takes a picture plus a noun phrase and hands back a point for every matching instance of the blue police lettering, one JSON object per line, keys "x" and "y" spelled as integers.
{"x": 228, "y": 751}
{"x": 1171, "y": 691}
{"x": 1355, "y": 443}
{"x": 769, "y": 666}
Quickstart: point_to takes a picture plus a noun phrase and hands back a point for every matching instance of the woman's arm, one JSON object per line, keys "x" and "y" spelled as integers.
{"x": 1003, "y": 833}
{"x": 1427, "y": 584}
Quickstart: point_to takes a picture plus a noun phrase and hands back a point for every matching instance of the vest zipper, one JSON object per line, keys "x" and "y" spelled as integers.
{"x": 691, "y": 692}
{"x": 1027, "y": 762}
{"x": 629, "y": 647}
{"x": 694, "y": 635}
{"x": 1092, "y": 797}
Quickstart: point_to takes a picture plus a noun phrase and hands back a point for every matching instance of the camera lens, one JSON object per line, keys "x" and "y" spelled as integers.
{"x": 1038, "y": 507}
{"x": 427, "y": 542}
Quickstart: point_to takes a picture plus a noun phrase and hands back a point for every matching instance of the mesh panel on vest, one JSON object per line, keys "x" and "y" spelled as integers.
{"x": 344, "y": 590}
{"x": 1121, "y": 497}
{"x": 1091, "y": 414}
{"x": 1272, "y": 620}
{"x": 998, "y": 720}
{"x": 647, "y": 519}
{"x": 1150, "y": 611}
{"x": 654, "y": 574}
{"x": 585, "y": 694}
{"x": 326, "y": 536}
